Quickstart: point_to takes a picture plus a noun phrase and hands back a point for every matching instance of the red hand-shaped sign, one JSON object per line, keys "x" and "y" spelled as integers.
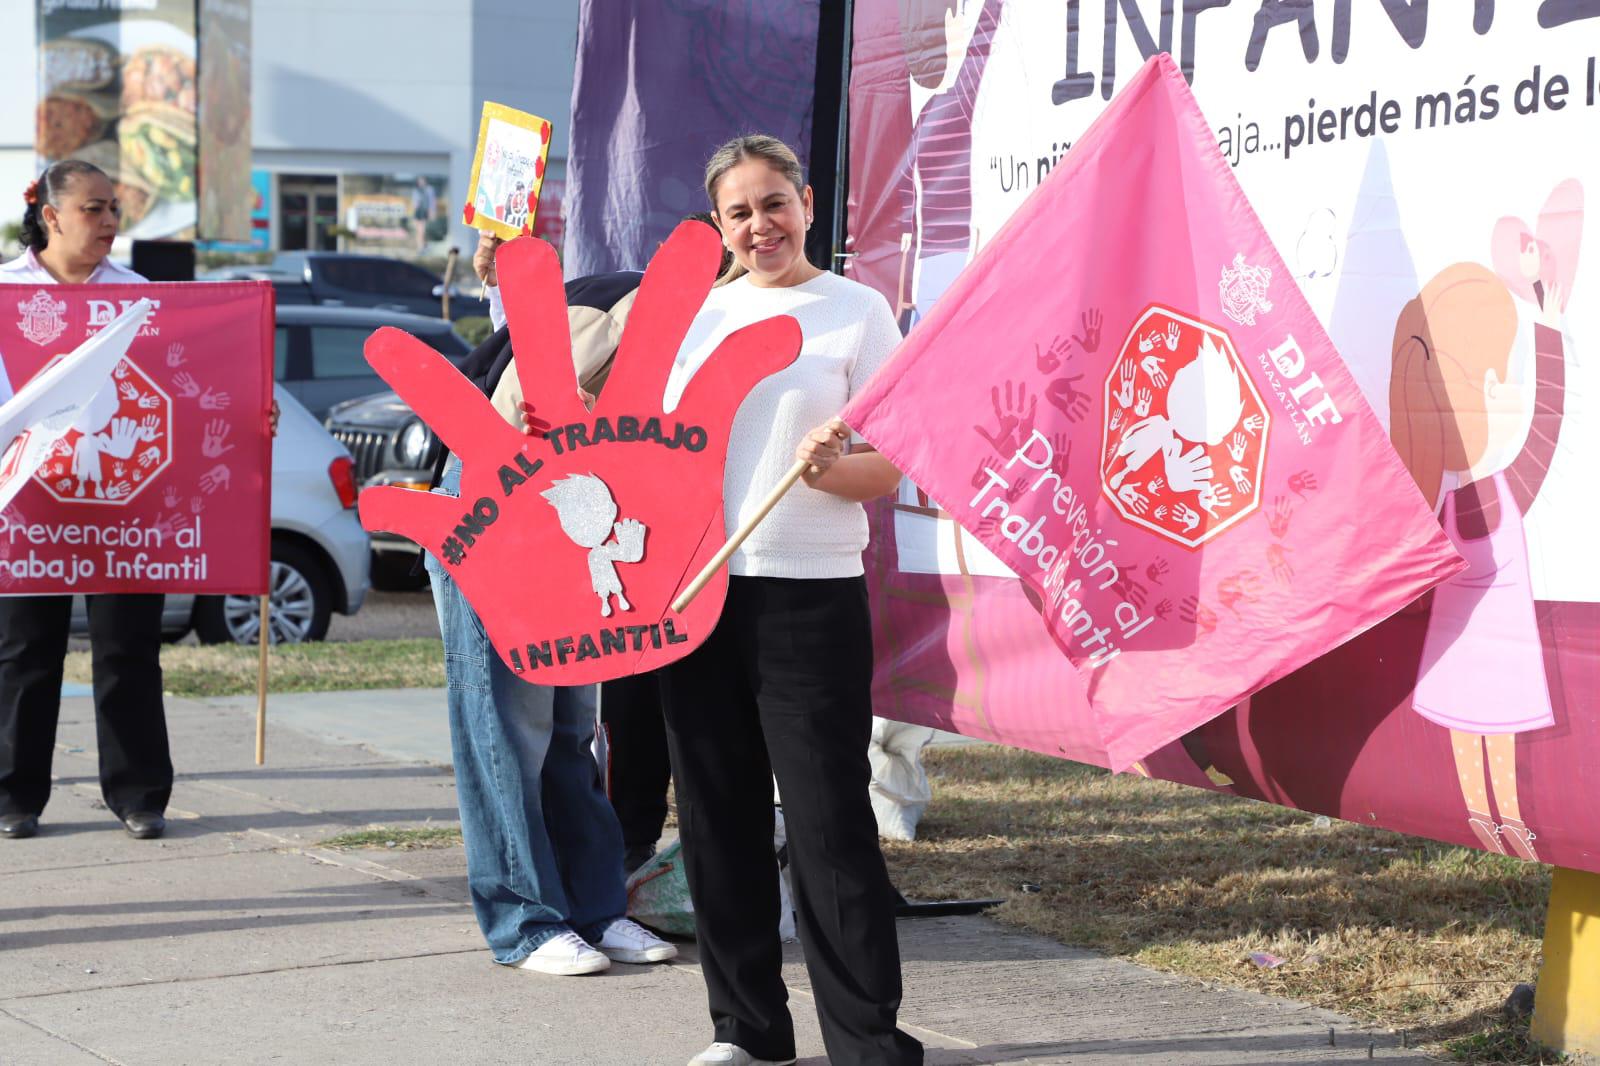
{"x": 571, "y": 544}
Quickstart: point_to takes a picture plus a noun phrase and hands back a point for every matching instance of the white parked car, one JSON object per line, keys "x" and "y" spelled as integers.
{"x": 320, "y": 553}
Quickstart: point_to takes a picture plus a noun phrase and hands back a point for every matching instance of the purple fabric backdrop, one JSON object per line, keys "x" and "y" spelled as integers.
{"x": 659, "y": 84}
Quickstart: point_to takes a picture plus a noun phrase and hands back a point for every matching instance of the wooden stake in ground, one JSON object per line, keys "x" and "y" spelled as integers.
{"x": 687, "y": 596}
{"x": 261, "y": 684}
{"x": 444, "y": 289}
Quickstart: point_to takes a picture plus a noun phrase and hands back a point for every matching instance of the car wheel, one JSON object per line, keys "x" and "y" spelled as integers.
{"x": 392, "y": 572}
{"x": 302, "y": 604}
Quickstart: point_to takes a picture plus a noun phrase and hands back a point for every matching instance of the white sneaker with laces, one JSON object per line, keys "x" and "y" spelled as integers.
{"x": 628, "y": 941}
{"x": 566, "y": 955}
{"x": 722, "y": 1054}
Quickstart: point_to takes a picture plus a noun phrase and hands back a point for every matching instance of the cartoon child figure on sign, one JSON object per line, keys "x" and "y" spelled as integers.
{"x": 1457, "y": 409}
{"x": 588, "y": 515}
{"x": 516, "y": 206}
{"x": 100, "y": 434}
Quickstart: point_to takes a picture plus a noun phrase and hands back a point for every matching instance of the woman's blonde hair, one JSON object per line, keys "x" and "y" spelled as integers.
{"x": 760, "y": 146}
{"x": 1461, "y": 324}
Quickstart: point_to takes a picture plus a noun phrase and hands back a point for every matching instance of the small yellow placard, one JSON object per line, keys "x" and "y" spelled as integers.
{"x": 507, "y": 171}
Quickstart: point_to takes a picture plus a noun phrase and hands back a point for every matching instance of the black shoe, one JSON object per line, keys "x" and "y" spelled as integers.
{"x": 144, "y": 825}
{"x": 636, "y": 856}
{"x": 18, "y": 826}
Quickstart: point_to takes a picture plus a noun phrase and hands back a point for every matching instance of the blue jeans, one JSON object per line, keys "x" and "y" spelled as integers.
{"x": 544, "y": 849}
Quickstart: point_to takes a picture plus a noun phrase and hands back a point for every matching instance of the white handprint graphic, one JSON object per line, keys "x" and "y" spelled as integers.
{"x": 1237, "y": 447}
{"x": 1130, "y": 495}
{"x": 187, "y": 387}
{"x": 1240, "y": 478}
{"x": 1187, "y": 471}
{"x": 175, "y": 356}
{"x": 1152, "y": 366}
{"x": 215, "y": 401}
{"x": 1124, "y": 395}
{"x": 1212, "y": 496}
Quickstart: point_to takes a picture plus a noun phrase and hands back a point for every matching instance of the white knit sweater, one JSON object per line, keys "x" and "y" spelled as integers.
{"x": 848, "y": 333}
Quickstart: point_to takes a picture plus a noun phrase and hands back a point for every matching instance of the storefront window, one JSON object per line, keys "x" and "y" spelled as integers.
{"x": 393, "y": 213}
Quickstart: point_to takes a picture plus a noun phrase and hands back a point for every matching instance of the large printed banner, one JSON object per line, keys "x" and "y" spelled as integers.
{"x": 1423, "y": 173}
{"x": 163, "y": 482}
{"x": 1212, "y": 388}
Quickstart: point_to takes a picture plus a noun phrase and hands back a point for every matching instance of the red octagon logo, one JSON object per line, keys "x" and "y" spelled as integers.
{"x": 119, "y": 444}
{"x": 1185, "y": 434}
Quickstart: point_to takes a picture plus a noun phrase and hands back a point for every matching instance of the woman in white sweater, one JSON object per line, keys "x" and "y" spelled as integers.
{"x": 783, "y": 685}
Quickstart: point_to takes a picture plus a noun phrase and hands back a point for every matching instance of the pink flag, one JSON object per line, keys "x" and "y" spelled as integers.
{"x": 1209, "y": 504}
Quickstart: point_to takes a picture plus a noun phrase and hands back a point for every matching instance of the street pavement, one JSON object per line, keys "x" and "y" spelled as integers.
{"x": 240, "y": 938}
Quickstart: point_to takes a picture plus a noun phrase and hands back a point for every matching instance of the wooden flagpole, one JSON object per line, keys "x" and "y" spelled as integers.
{"x": 261, "y": 684}
{"x": 687, "y": 596}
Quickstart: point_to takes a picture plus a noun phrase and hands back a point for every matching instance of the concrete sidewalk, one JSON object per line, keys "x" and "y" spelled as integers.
{"x": 240, "y": 939}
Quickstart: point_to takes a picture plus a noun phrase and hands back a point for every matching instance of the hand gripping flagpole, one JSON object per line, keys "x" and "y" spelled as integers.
{"x": 687, "y": 596}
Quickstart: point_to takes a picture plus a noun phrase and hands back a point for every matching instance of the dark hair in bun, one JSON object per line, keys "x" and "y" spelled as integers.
{"x": 49, "y": 189}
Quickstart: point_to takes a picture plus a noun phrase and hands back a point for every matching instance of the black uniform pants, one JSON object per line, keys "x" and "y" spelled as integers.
{"x": 783, "y": 686}
{"x": 131, "y": 728}
{"x": 638, "y": 768}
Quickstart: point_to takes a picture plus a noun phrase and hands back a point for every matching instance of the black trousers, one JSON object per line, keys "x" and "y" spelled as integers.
{"x": 130, "y": 726}
{"x": 783, "y": 686}
{"x": 638, "y": 768}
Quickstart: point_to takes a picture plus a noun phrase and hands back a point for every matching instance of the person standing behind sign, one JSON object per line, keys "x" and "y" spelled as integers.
{"x": 782, "y": 685}
{"x": 70, "y": 222}
{"x": 544, "y": 850}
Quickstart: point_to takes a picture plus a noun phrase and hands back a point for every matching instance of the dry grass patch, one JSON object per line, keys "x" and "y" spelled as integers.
{"x": 230, "y": 670}
{"x": 378, "y": 836}
{"x": 1392, "y": 929}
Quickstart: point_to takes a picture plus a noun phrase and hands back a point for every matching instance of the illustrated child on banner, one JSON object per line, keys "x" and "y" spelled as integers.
{"x": 507, "y": 171}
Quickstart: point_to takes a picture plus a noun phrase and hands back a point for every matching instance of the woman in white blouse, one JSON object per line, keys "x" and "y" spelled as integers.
{"x": 70, "y": 222}
{"x": 782, "y": 687}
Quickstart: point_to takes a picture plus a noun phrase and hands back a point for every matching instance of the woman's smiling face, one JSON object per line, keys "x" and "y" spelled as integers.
{"x": 763, "y": 219}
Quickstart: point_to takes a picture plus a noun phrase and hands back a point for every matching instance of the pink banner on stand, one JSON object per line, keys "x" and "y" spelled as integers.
{"x": 164, "y": 483}
{"x": 1155, "y": 433}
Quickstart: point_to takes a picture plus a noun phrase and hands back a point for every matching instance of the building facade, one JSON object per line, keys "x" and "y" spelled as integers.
{"x": 365, "y": 114}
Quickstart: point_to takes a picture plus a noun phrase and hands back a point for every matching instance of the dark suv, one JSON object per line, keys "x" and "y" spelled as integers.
{"x": 345, "y": 280}
{"x": 319, "y": 353}
{"x": 390, "y": 446}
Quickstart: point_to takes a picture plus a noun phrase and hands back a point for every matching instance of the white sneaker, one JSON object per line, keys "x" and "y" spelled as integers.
{"x": 721, "y": 1054}
{"x": 628, "y": 941}
{"x": 566, "y": 955}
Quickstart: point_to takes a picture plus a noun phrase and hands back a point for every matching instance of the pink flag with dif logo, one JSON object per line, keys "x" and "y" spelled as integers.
{"x": 1211, "y": 504}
